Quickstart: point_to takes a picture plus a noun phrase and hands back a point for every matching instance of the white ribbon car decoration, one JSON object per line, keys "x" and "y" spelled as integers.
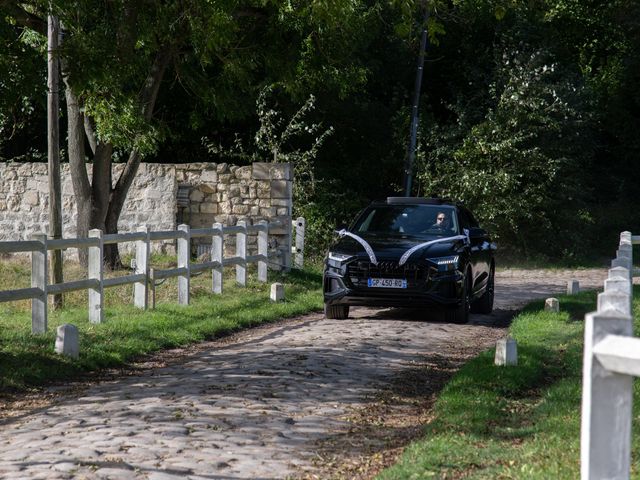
{"x": 408, "y": 253}
{"x": 420, "y": 246}
{"x": 361, "y": 241}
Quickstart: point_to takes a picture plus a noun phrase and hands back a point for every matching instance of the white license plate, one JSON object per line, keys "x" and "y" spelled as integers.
{"x": 387, "y": 282}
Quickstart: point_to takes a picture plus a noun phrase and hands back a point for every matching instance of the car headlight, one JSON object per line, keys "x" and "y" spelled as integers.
{"x": 446, "y": 263}
{"x": 337, "y": 259}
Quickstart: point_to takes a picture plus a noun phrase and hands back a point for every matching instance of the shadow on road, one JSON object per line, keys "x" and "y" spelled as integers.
{"x": 499, "y": 318}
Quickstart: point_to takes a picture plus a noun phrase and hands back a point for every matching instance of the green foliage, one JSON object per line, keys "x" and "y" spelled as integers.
{"x": 22, "y": 90}
{"x": 221, "y": 53}
{"x": 330, "y": 207}
{"x": 522, "y": 167}
{"x": 526, "y": 119}
{"x": 411, "y": 15}
{"x": 296, "y": 141}
{"x": 119, "y": 122}
{"x": 538, "y": 153}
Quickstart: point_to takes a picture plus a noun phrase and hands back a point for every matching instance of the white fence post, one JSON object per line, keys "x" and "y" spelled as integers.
{"x": 67, "y": 340}
{"x": 300, "y": 228}
{"x": 184, "y": 261}
{"x": 263, "y": 249}
{"x": 96, "y": 272}
{"x": 217, "y": 255}
{"x": 39, "y": 275}
{"x": 618, "y": 272}
{"x": 607, "y": 396}
{"x": 621, "y": 262}
{"x": 141, "y": 289}
{"x": 573, "y": 287}
{"x": 617, "y": 291}
{"x": 606, "y": 404}
{"x": 618, "y": 283}
{"x": 241, "y": 251}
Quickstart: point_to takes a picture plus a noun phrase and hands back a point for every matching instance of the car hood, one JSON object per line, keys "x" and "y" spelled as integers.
{"x": 392, "y": 248}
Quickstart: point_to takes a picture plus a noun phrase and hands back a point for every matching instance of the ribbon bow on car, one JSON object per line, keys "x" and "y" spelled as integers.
{"x": 420, "y": 246}
{"x": 361, "y": 241}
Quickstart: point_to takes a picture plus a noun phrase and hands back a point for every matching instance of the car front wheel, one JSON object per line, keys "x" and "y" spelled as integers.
{"x": 484, "y": 304}
{"x": 460, "y": 314}
{"x": 337, "y": 312}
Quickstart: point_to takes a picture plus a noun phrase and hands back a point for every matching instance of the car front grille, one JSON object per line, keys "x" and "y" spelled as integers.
{"x": 359, "y": 272}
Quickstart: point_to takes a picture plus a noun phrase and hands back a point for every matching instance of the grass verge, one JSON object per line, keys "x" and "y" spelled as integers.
{"x": 28, "y": 360}
{"x": 521, "y": 422}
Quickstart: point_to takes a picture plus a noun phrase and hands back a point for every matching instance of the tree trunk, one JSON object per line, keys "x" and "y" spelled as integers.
{"x": 148, "y": 97}
{"x": 111, "y": 252}
{"x": 100, "y": 204}
{"x": 77, "y": 168}
{"x": 118, "y": 197}
{"x": 92, "y": 198}
{"x": 101, "y": 185}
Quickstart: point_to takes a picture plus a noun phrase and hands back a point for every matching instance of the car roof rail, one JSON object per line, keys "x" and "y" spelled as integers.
{"x": 416, "y": 200}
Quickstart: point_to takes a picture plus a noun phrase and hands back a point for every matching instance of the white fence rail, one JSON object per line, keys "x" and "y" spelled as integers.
{"x": 146, "y": 278}
{"x": 611, "y": 360}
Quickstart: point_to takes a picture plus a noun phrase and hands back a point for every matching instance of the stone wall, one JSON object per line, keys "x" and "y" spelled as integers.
{"x": 227, "y": 193}
{"x": 24, "y": 199}
{"x": 216, "y": 193}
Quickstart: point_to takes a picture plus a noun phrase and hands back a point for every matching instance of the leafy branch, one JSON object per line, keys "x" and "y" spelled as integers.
{"x": 295, "y": 141}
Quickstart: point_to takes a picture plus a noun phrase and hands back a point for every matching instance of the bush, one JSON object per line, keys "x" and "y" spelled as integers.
{"x": 522, "y": 166}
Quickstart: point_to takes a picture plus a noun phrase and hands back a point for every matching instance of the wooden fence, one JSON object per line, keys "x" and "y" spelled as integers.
{"x": 611, "y": 360}
{"x": 145, "y": 278}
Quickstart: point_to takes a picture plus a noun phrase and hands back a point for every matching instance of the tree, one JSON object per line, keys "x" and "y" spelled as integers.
{"x": 296, "y": 140}
{"x": 523, "y": 166}
{"x": 532, "y": 113}
{"x": 116, "y": 57}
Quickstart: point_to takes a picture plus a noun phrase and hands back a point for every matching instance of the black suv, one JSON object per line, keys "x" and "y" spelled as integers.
{"x": 411, "y": 252}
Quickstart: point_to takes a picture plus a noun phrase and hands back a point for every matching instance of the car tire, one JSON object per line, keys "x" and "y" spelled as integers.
{"x": 460, "y": 313}
{"x": 484, "y": 304}
{"x": 336, "y": 312}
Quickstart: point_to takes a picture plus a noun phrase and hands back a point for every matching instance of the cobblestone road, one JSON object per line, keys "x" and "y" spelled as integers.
{"x": 251, "y": 409}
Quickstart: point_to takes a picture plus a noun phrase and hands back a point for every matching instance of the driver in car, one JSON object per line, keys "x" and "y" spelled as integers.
{"x": 441, "y": 223}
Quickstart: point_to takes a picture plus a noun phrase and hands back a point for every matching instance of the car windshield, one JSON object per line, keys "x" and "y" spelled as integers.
{"x": 414, "y": 220}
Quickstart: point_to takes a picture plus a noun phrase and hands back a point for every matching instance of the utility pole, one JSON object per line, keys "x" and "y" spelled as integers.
{"x": 53, "y": 151}
{"x": 411, "y": 154}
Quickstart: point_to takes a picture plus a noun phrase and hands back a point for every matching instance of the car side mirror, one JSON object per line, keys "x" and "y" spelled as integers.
{"x": 476, "y": 233}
